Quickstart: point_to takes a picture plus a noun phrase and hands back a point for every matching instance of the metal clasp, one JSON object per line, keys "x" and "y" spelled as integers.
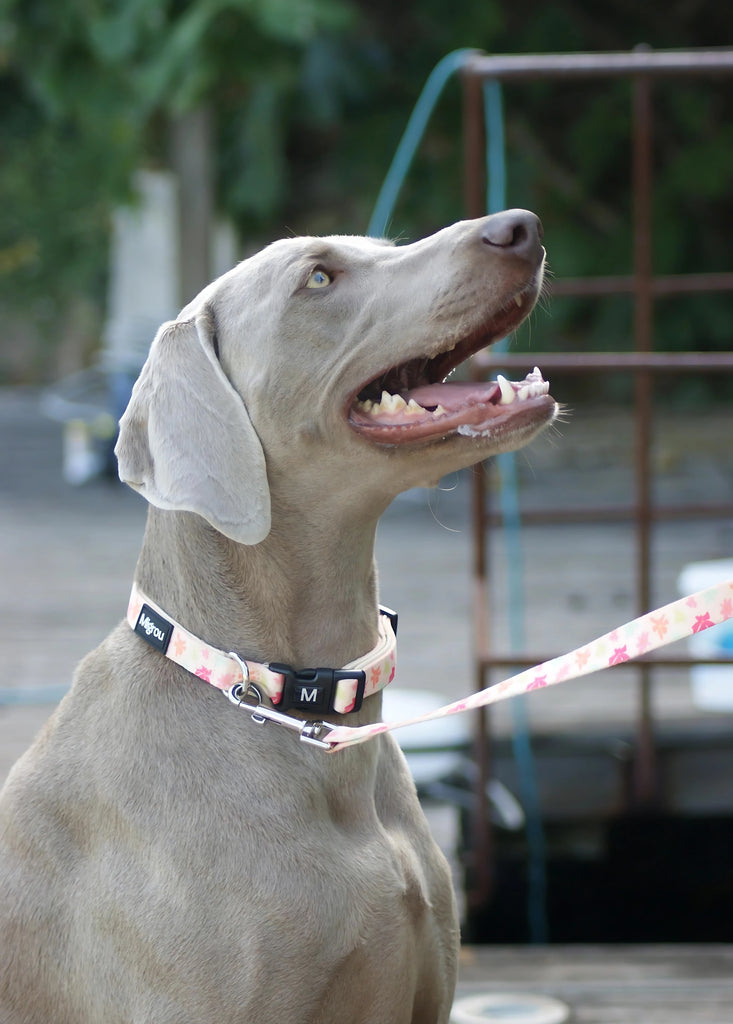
{"x": 312, "y": 733}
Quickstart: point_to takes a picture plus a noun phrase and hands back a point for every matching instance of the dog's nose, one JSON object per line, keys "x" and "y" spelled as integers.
{"x": 514, "y": 232}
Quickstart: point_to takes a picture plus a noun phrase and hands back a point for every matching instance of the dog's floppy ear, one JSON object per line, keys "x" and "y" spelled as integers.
{"x": 186, "y": 440}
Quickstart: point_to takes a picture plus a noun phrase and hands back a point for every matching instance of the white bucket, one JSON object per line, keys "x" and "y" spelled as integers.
{"x": 712, "y": 685}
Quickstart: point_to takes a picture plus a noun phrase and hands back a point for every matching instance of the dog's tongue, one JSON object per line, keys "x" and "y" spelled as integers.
{"x": 451, "y": 396}
{"x": 434, "y": 408}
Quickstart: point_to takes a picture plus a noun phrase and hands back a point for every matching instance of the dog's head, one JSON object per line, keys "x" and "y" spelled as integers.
{"x": 321, "y": 365}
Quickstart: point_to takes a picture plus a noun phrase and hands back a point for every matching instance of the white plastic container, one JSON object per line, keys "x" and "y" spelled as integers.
{"x": 712, "y": 685}
{"x": 509, "y": 1008}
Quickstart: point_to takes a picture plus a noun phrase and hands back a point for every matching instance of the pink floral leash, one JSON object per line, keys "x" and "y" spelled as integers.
{"x": 674, "y": 621}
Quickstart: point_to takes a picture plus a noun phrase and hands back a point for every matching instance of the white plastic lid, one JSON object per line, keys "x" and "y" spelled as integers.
{"x": 510, "y": 1008}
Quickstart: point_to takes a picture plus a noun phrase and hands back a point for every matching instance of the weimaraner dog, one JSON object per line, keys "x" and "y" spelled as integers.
{"x": 164, "y": 858}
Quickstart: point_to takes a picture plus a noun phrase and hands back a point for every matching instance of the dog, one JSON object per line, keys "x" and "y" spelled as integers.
{"x": 164, "y": 859}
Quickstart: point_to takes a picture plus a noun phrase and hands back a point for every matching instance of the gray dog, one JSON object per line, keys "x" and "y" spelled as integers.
{"x": 164, "y": 860}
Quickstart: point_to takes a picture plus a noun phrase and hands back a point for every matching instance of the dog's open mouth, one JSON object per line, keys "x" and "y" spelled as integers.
{"x": 414, "y": 400}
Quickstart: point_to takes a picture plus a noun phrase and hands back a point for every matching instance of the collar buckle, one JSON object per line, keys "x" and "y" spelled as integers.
{"x": 314, "y": 689}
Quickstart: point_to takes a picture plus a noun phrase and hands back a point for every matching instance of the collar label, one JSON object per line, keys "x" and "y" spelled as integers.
{"x": 154, "y": 628}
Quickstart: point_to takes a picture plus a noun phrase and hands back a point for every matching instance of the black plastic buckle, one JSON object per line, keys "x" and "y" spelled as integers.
{"x": 313, "y": 689}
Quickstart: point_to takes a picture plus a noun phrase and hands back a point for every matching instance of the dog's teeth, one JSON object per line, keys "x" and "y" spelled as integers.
{"x": 438, "y": 411}
{"x": 366, "y": 405}
{"x": 392, "y": 403}
{"x": 413, "y": 409}
{"x": 507, "y": 391}
{"x": 536, "y": 389}
{"x": 388, "y": 404}
{"x": 524, "y": 392}
{"x": 519, "y": 301}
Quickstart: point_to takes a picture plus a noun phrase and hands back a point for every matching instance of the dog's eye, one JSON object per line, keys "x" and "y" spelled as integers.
{"x": 319, "y": 279}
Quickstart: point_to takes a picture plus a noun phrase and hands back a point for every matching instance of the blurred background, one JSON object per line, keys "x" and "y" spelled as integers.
{"x": 146, "y": 146}
{"x": 282, "y": 116}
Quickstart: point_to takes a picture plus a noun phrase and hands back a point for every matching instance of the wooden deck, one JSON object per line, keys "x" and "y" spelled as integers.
{"x": 610, "y": 984}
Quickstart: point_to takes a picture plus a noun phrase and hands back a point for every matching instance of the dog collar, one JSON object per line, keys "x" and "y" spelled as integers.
{"x": 319, "y": 690}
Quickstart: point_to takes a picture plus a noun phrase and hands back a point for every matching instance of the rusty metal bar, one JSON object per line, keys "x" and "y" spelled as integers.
{"x": 645, "y": 765}
{"x": 594, "y": 362}
{"x": 670, "y": 284}
{"x": 481, "y": 888}
{"x": 600, "y": 65}
{"x": 616, "y": 514}
{"x": 641, "y": 67}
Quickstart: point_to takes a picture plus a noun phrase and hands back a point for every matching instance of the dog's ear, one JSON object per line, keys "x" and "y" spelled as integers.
{"x": 186, "y": 440}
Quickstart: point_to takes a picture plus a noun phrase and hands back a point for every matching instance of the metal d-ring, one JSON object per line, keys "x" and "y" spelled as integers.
{"x": 239, "y": 692}
{"x": 310, "y": 732}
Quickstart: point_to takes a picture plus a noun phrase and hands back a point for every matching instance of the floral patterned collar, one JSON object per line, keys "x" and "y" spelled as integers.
{"x": 321, "y": 690}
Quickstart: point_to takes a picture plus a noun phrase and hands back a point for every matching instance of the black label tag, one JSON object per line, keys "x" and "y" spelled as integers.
{"x": 310, "y": 697}
{"x": 152, "y": 627}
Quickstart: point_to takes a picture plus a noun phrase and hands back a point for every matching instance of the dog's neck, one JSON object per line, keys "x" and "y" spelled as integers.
{"x": 306, "y": 595}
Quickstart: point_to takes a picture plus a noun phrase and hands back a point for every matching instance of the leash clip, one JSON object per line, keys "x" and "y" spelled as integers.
{"x": 310, "y": 732}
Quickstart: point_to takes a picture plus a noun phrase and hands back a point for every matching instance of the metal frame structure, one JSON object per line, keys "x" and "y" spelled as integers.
{"x": 642, "y": 67}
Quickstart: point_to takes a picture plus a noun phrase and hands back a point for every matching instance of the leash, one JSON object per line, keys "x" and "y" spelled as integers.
{"x": 244, "y": 682}
{"x": 672, "y": 622}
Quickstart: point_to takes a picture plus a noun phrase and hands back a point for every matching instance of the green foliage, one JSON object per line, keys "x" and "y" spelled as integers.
{"x": 310, "y": 99}
{"x": 85, "y": 89}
